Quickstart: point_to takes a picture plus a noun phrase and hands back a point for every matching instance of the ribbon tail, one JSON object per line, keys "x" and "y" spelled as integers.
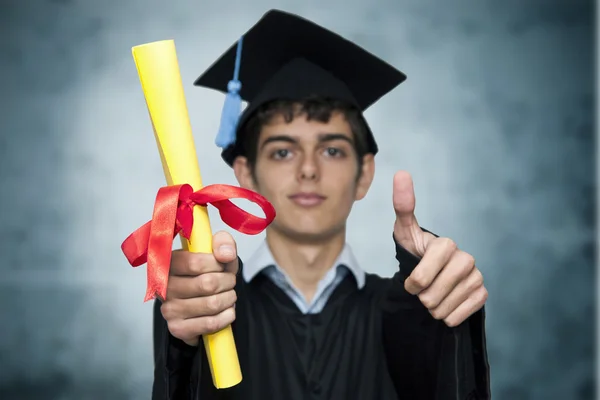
{"x": 135, "y": 247}
{"x": 160, "y": 242}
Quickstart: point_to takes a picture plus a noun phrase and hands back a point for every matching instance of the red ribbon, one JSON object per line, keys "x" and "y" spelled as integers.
{"x": 173, "y": 213}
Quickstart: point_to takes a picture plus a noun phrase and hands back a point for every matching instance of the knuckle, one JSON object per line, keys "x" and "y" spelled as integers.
{"x": 477, "y": 279}
{"x": 451, "y": 322}
{"x": 192, "y": 263}
{"x": 216, "y": 323}
{"x": 428, "y": 301}
{"x": 211, "y": 324}
{"x": 468, "y": 260}
{"x": 438, "y": 314}
{"x": 448, "y": 243}
{"x": 177, "y": 329}
{"x": 419, "y": 279}
{"x": 468, "y": 264}
{"x": 213, "y": 303}
{"x": 167, "y": 311}
{"x": 227, "y": 317}
{"x": 483, "y": 295}
{"x": 231, "y": 316}
{"x": 208, "y": 283}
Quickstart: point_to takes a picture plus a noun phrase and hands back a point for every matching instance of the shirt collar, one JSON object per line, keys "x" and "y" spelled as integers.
{"x": 263, "y": 258}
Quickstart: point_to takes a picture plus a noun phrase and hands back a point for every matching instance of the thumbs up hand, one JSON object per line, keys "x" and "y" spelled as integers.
{"x": 446, "y": 279}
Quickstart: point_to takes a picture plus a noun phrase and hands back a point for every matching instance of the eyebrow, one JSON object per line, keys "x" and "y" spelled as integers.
{"x": 325, "y": 137}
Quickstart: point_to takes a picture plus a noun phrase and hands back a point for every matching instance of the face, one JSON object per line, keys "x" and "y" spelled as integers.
{"x": 310, "y": 173}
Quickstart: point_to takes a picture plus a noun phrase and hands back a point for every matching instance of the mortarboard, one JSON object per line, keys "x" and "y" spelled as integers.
{"x": 284, "y": 56}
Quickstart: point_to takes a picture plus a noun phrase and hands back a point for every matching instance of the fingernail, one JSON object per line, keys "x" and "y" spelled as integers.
{"x": 226, "y": 250}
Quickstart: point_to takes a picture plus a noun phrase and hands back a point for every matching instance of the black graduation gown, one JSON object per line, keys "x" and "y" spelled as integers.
{"x": 379, "y": 342}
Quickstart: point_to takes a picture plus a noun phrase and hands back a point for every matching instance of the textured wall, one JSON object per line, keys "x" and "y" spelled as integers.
{"x": 495, "y": 123}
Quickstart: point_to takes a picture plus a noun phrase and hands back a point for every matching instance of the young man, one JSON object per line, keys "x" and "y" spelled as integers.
{"x": 308, "y": 321}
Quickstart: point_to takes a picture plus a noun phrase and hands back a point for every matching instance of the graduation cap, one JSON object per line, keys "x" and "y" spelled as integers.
{"x": 286, "y": 57}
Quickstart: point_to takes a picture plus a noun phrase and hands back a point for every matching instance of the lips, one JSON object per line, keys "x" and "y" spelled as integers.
{"x": 307, "y": 199}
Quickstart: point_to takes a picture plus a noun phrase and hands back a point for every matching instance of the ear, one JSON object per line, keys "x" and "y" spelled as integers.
{"x": 243, "y": 173}
{"x": 366, "y": 176}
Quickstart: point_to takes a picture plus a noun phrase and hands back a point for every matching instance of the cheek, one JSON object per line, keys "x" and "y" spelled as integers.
{"x": 270, "y": 184}
{"x": 344, "y": 187}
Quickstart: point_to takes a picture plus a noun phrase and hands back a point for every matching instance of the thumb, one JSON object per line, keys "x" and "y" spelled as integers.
{"x": 404, "y": 200}
{"x": 225, "y": 251}
{"x": 407, "y": 231}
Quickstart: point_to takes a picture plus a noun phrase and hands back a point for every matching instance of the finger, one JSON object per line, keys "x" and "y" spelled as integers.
{"x": 198, "y": 306}
{"x": 459, "y": 295}
{"x": 460, "y": 265}
{"x": 186, "y": 287}
{"x": 190, "y": 329}
{"x": 404, "y": 199}
{"x": 436, "y": 256}
{"x": 225, "y": 251}
{"x": 407, "y": 231}
{"x": 186, "y": 263}
{"x": 469, "y": 307}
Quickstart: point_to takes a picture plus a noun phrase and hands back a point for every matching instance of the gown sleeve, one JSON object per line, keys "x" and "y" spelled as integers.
{"x": 427, "y": 359}
{"x": 181, "y": 372}
{"x": 173, "y": 361}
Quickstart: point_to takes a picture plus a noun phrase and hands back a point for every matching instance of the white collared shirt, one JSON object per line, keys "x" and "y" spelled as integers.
{"x": 262, "y": 261}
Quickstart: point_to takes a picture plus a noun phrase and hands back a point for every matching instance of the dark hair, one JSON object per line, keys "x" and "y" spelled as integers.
{"x": 314, "y": 108}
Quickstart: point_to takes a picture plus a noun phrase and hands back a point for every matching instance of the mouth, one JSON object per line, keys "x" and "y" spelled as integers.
{"x": 307, "y": 199}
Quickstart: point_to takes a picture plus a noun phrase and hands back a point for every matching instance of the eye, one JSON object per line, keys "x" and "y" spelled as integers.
{"x": 334, "y": 152}
{"x": 280, "y": 154}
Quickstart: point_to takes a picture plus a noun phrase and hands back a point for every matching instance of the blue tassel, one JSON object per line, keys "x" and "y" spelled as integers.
{"x": 232, "y": 106}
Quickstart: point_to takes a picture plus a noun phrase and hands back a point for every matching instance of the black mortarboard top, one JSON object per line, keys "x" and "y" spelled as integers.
{"x": 284, "y": 56}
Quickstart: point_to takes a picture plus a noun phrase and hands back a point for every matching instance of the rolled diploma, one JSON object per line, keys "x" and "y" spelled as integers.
{"x": 158, "y": 69}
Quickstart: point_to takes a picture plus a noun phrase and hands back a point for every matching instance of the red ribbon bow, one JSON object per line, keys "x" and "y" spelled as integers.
{"x": 173, "y": 213}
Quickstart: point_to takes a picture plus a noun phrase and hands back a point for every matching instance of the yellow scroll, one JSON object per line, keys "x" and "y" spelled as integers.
{"x": 160, "y": 78}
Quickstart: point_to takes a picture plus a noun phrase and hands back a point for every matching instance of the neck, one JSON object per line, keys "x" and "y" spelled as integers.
{"x": 305, "y": 263}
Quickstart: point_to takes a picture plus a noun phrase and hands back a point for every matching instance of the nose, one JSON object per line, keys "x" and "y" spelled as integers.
{"x": 308, "y": 169}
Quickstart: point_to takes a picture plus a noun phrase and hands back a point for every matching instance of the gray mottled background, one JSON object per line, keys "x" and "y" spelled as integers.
{"x": 495, "y": 123}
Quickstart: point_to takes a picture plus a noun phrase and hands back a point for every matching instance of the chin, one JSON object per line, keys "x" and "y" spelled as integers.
{"x": 310, "y": 231}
